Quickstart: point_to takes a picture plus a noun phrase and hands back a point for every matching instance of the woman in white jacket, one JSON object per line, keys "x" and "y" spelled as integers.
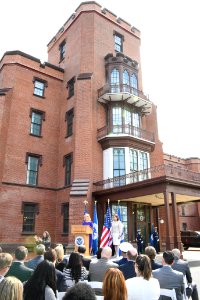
{"x": 116, "y": 231}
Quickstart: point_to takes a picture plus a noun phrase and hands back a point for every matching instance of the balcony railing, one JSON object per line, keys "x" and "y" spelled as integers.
{"x": 121, "y": 88}
{"x": 154, "y": 172}
{"x": 125, "y": 129}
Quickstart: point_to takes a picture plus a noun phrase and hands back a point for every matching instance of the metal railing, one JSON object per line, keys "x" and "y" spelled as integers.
{"x": 121, "y": 88}
{"x": 154, "y": 172}
{"x": 125, "y": 129}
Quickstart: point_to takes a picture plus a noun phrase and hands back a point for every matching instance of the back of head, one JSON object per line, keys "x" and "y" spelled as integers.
{"x": 150, "y": 252}
{"x": 11, "y": 289}
{"x": 21, "y": 253}
{"x": 81, "y": 249}
{"x": 40, "y": 249}
{"x": 168, "y": 257}
{"x": 177, "y": 253}
{"x": 132, "y": 254}
{"x": 80, "y": 291}
{"x": 43, "y": 275}
{"x": 50, "y": 255}
{"x": 74, "y": 260}
{"x": 143, "y": 266}
{"x": 114, "y": 285}
{"x": 5, "y": 260}
{"x": 60, "y": 252}
{"x": 99, "y": 253}
{"x": 106, "y": 252}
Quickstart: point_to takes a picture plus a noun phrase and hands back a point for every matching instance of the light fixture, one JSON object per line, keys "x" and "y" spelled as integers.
{"x": 161, "y": 221}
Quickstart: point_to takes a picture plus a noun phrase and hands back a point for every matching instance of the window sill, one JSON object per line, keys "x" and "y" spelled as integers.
{"x": 68, "y": 135}
{"x": 28, "y": 233}
{"x": 39, "y": 136}
{"x": 70, "y": 96}
{"x": 61, "y": 60}
{"x": 64, "y": 234}
{"x": 38, "y": 96}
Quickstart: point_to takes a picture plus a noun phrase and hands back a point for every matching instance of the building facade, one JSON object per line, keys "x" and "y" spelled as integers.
{"x": 80, "y": 127}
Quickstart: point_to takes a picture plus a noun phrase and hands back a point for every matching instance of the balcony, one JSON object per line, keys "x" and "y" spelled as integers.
{"x": 124, "y": 130}
{"x": 154, "y": 172}
{"x": 124, "y": 92}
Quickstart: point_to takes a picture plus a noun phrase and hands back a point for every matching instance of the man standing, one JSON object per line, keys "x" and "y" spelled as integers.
{"x": 183, "y": 267}
{"x": 156, "y": 240}
{"x": 168, "y": 278}
{"x": 5, "y": 263}
{"x": 140, "y": 241}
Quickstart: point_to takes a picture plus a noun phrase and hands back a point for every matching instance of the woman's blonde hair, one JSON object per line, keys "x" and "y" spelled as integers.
{"x": 114, "y": 285}
{"x": 60, "y": 252}
{"x": 11, "y": 288}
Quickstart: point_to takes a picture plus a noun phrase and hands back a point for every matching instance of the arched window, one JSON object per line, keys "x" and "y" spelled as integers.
{"x": 126, "y": 82}
{"x": 115, "y": 81}
{"x": 134, "y": 84}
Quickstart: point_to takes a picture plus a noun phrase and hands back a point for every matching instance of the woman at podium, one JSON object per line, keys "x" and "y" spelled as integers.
{"x": 87, "y": 221}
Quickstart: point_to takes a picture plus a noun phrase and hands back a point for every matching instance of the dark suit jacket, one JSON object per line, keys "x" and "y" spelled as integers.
{"x": 32, "y": 263}
{"x": 120, "y": 262}
{"x": 128, "y": 269}
{"x": 155, "y": 265}
{"x": 86, "y": 262}
{"x": 61, "y": 283}
{"x": 182, "y": 266}
{"x": 170, "y": 279}
{"x": 19, "y": 270}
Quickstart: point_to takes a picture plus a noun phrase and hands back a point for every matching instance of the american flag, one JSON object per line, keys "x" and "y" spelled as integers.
{"x": 106, "y": 238}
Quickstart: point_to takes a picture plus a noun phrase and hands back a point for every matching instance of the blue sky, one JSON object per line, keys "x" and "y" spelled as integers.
{"x": 170, "y": 54}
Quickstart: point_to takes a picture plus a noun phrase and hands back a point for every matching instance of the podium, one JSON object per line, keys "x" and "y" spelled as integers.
{"x": 82, "y": 236}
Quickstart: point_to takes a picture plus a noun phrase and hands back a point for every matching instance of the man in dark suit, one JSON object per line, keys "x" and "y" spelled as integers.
{"x": 128, "y": 269}
{"x": 32, "y": 263}
{"x": 169, "y": 278}
{"x": 86, "y": 261}
{"x": 183, "y": 267}
{"x": 151, "y": 253}
{"x": 18, "y": 268}
{"x": 5, "y": 263}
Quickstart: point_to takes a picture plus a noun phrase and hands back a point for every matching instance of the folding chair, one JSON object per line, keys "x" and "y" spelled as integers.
{"x": 97, "y": 286}
{"x": 168, "y": 293}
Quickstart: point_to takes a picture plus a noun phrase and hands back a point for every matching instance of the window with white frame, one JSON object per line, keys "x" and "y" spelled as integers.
{"x": 119, "y": 167}
{"x": 115, "y": 88}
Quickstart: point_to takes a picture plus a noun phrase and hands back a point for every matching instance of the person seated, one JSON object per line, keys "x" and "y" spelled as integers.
{"x": 39, "y": 250}
{"x": 1, "y": 250}
{"x": 98, "y": 268}
{"x": 124, "y": 247}
{"x": 75, "y": 271}
{"x": 114, "y": 285}
{"x": 150, "y": 251}
{"x": 99, "y": 252}
{"x": 169, "y": 278}
{"x": 80, "y": 291}
{"x": 86, "y": 261}
{"x": 42, "y": 284}
{"x": 11, "y": 288}
{"x": 128, "y": 269}
{"x": 61, "y": 284}
{"x": 61, "y": 261}
{"x": 5, "y": 264}
{"x": 45, "y": 239}
{"x": 18, "y": 268}
{"x": 144, "y": 286}
{"x": 183, "y": 267}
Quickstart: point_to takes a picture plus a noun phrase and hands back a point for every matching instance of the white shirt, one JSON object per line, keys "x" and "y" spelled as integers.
{"x": 1, "y": 278}
{"x": 141, "y": 289}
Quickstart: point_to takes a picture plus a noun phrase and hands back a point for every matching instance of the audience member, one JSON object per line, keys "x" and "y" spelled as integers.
{"x": 99, "y": 267}
{"x": 99, "y": 252}
{"x": 114, "y": 285}
{"x": 151, "y": 253}
{"x": 124, "y": 247}
{"x": 1, "y": 250}
{"x": 144, "y": 286}
{"x": 169, "y": 278}
{"x": 61, "y": 285}
{"x": 18, "y": 268}
{"x": 86, "y": 261}
{"x": 80, "y": 291}
{"x": 75, "y": 271}
{"x": 5, "y": 263}
{"x": 61, "y": 261}
{"x": 128, "y": 269}
{"x": 42, "y": 284}
{"x": 39, "y": 250}
{"x": 11, "y": 289}
{"x": 183, "y": 267}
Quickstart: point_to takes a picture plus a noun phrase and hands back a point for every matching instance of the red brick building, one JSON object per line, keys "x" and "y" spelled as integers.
{"x": 80, "y": 127}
